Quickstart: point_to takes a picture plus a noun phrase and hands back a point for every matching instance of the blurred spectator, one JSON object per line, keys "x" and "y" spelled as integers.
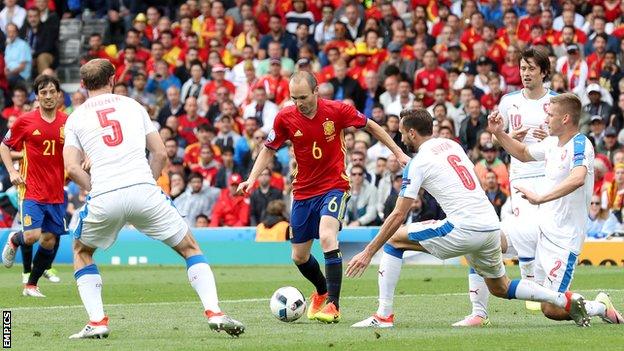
{"x": 372, "y": 92}
{"x": 138, "y": 92}
{"x": 172, "y": 149}
{"x": 275, "y": 85}
{"x": 510, "y": 70}
{"x": 274, "y": 226}
{"x": 42, "y": 40}
{"x": 239, "y": 77}
{"x": 405, "y": 99}
{"x": 345, "y": 86}
{"x": 244, "y": 90}
{"x": 358, "y": 158}
{"x": 491, "y": 163}
{"x": 384, "y": 186}
{"x": 490, "y": 100}
{"x": 324, "y": 30}
{"x": 277, "y": 34}
{"x": 12, "y": 13}
{"x": 196, "y": 83}
{"x": 609, "y": 143}
{"x": 17, "y": 56}
{"x": 218, "y": 80}
{"x": 299, "y": 15}
{"x": 248, "y": 38}
{"x": 362, "y": 208}
{"x": 77, "y": 99}
{"x": 228, "y": 168}
{"x": 492, "y": 189}
{"x": 206, "y": 165}
{"x": 121, "y": 89}
{"x": 326, "y": 91}
{"x": 19, "y": 101}
{"x": 173, "y": 107}
{"x": 430, "y": 77}
{"x": 189, "y": 121}
{"x": 596, "y": 106}
{"x": 197, "y": 199}
{"x": 201, "y": 221}
{"x": 574, "y": 68}
{"x": 162, "y": 79}
{"x": 596, "y": 129}
{"x": 232, "y": 209}
{"x": 209, "y": 27}
{"x": 262, "y": 196}
{"x": 205, "y": 135}
{"x": 275, "y": 54}
{"x": 96, "y": 49}
{"x": 601, "y": 222}
{"x": 244, "y": 145}
{"x": 226, "y": 137}
{"x": 475, "y": 122}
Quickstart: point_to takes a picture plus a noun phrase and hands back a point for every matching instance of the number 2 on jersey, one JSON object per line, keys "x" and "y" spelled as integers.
{"x": 462, "y": 172}
{"x": 117, "y": 136}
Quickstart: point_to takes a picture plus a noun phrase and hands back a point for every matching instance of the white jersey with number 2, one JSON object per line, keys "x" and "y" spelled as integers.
{"x": 443, "y": 169}
{"x": 111, "y": 130}
{"x": 518, "y": 111}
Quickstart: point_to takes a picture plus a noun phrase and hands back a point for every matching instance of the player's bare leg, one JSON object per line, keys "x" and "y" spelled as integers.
{"x": 388, "y": 277}
{"x": 328, "y": 236}
{"x": 89, "y": 284}
{"x": 310, "y": 269}
{"x": 202, "y": 280}
{"x": 555, "y": 305}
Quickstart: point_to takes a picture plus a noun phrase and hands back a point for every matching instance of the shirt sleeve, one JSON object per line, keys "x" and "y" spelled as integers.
{"x": 278, "y": 135}
{"x": 14, "y": 138}
{"x": 71, "y": 138}
{"x": 538, "y": 150}
{"x": 352, "y": 117}
{"x": 583, "y": 152}
{"x": 412, "y": 179}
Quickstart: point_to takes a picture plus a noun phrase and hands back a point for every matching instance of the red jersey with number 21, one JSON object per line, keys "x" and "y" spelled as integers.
{"x": 42, "y": 166}
{"x": 318, "y": 144}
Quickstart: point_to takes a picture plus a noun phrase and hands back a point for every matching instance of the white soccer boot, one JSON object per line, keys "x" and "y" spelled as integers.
{"x": 93, "y": 330}
{"x": 376, "y": 321}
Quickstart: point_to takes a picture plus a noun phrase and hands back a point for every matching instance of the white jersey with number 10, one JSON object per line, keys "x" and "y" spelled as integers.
{"x": 111, "y": 131}
{"x": 518, "y": 111}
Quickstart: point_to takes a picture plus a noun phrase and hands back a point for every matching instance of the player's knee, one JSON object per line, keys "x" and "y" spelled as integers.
{"x": 48, "y": 241}
{"x": 328, "y": 239}
{"x": 300, "y": 257}
{"x": 31, "y": 237}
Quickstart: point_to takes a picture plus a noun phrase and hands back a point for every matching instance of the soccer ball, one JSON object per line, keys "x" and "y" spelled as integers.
{"x": 288, "y": 304}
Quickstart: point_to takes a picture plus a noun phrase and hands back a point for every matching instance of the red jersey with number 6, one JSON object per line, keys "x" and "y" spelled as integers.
{"x": 111, "y": 130}
{"x": 318, "y": 144}
{"x": 42, "y": 164}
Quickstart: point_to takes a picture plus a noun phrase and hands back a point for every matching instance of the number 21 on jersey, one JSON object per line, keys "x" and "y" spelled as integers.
{"x": 117, "y": 137}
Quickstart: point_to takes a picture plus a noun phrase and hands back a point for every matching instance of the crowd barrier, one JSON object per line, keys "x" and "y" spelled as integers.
{"x": 236, "y": 246}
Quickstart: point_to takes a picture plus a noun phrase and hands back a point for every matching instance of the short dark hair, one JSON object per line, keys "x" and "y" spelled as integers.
{"x": 172, "y": 139}
{"x": 603, "y": 36}
{"x": 43, "y": 80}
{"x": 541, "y": 59}
{"x": 96, "y": 73}
{"x": 201, "y": 215}
{"x": 418, "y": 119}
{"x": 227, "y": 148}
{"x": 195, "y": 175}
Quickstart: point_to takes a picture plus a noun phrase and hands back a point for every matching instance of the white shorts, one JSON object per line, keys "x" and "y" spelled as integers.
{"x": 522, "y": 228}
{"x": 554, "y": 263}
{"x": 144, "y": 206}
{"x": 441, "y": 239}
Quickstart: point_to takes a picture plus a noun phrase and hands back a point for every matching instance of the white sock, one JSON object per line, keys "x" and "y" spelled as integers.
{"x": 90, "y": 290}
{"x": 526, "y": 269}
{"x": 525, "y": 289}
{"x": 202, "y": 280}
{"x": 389, "y": 271}
{"x": 595, "y": 308}
{"x": 479, "y": 294}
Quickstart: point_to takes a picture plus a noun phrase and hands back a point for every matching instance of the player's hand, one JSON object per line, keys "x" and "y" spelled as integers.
{"x": 243, "y": 188}
{"x": 519, "y": 132}
{"x": 532, "y": 197}
{"x": 358, "y": 264}
{"x": 539, "y": 134}
{"x": 86, "y": 164}
{"x": 403, "y": 159}
{"x": 16, "y": 178}
{"x": 495, "y": 122}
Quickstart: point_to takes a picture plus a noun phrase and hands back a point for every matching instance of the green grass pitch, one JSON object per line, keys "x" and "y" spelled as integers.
{"x": 154, "y": 308}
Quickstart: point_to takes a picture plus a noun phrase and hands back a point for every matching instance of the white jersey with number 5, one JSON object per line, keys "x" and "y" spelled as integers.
{"x": 111, "y": 131}
{"x": 442, "y": 168}
{"x": 518, "y": 111}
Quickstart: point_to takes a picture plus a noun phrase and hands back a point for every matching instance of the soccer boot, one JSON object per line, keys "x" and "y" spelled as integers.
{"x": 317, "y": 302}
{"x": 612, "y": 316}
{"x": 533, "y": 305}
{"x": 8, "y": 253}
{"x": 51, "y": 275}
{"x": 576, "y": 308}
{"x": 329, "y": 314}
{"x": 32, "y": 290}
{"x": 473, "y": 321}
{"x": 221, "y": 322}
{"x": 93, "y": 330}
{"x": 376, "y": 321}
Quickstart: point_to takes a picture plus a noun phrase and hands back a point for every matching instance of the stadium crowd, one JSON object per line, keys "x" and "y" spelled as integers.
{"x": 214, "y": 74}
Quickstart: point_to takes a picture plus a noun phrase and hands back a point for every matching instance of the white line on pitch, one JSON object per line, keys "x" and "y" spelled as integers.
{"x": 253, "y": 300}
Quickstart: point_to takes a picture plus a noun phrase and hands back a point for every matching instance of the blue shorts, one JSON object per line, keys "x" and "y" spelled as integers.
{"x": 306, "y": 214}
{"x": 49, "y": 217}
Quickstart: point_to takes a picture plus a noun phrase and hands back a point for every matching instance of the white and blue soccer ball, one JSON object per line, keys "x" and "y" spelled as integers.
{"x": 288, "y": 304}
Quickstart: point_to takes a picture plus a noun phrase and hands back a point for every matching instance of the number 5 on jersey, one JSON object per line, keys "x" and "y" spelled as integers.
{"x": 117, "y": 136}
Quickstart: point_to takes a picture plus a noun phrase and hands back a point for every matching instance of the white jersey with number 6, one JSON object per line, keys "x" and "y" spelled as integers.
{"x": 518, "y": 111}
{"x": 111, "y": 131}
{"x": 442, "y": 168}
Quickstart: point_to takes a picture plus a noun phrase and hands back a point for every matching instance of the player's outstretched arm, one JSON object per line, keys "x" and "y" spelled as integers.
{"x": 573, "y": 181}
{"x": 381, "y": 135}
{"x": 7, "y": 159}
{"x": 262, "y": 161}
{"x": 158, "y": 154}
{"x": 513, "y": 147}
{"x": 72, "y": 158}
{"x": 359, "y": 262}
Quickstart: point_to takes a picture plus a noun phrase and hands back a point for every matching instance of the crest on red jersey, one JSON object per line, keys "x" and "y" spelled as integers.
{"x": 328, "y": 128}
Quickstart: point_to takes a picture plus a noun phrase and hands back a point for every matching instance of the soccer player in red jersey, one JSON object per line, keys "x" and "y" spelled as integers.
{"x": 39, "y": 134}
{"x": 316, "y": 127}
